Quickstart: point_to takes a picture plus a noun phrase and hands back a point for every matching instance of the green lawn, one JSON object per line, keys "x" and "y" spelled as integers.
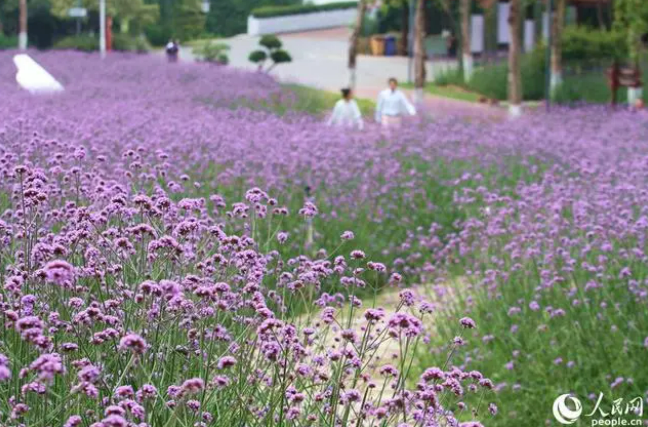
{"x": 449, "y": 91}
{"x": 317, "y": 101}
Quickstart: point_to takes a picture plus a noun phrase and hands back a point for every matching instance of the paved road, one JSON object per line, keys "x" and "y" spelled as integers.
{"x": 320, "y": 61}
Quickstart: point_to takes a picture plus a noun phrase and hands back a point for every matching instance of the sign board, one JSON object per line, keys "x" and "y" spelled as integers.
{"x": 477, "y": 33}
{"x": 78, "y": 12}
{"x": 503, "y": 12}
{"x": 529, "y": 35}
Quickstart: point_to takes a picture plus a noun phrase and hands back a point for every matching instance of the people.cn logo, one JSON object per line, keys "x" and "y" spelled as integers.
{"x": 563, "y": 413}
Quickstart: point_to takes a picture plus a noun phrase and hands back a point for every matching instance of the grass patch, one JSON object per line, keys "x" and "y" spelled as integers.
{"x": 449, "y": 91}
{"x": 295, "y": 98}
{"x": 317, "y": 101}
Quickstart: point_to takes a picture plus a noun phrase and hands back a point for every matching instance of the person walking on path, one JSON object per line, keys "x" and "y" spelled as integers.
{"x": 172, "y": 50}
{"x": 393, "y": 105}
{"x": 346, "y": 112}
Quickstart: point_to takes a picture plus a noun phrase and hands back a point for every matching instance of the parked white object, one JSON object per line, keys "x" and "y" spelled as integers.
{"x": 34, "y": 78}
{"x": 302, "y": 22}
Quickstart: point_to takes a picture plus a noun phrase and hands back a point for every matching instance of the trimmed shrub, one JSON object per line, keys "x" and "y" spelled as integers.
{"x": 271, "y": 49}
{"x": 586, "y": 44}
{"x": 88, "y": 43}
{"x": 492, "y": 80}
{"x": 158, "y": 35}
{"x": 126, "y": 43}
{"x": 8, "y": 42}
{"x": 213, "y": 52}
{"x": 84, "y": 43}
{"x": 272, "y": 11}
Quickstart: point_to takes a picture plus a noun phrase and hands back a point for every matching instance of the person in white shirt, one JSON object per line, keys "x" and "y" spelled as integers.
{"x": 393, "y": 105}
{"x": 346, "y": 112}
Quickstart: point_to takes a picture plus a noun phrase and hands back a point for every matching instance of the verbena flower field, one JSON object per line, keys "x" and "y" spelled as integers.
{"x": 175, "y": 252}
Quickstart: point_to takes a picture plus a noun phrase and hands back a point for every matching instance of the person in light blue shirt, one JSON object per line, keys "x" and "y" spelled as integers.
{"x": 393, "y": 105}
{"x": 346, "y": 112}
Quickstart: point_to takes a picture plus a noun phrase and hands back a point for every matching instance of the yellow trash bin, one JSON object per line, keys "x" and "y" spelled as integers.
{"x": 377, "y": 45}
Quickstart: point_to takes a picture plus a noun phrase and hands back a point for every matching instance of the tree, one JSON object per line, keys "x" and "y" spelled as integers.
{"x": 8, "y": 13}
{"x": 133, "y": 15}
{"x": 556, "y": 46}
{"x": 631, "y": 18}
{"x": 22, "y": 34}
{"x": 229, "y": 17}
{"x": 450, "y": 9}
{"x": 419, "y": 51}
{"x": 514, "y": 71}
{"x": 272, "y": 49}
{"x": 404, "y": 6}
{"x": 466, "y": 53}
{"x": 353, "y": 42}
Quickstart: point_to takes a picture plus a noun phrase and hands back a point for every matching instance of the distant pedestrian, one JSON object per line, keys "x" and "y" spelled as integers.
{"x": 451, "y": 43}
{"x": 172, "y": 49}
{"x": 393, "y": 105}
{"x": 346, "y": 112}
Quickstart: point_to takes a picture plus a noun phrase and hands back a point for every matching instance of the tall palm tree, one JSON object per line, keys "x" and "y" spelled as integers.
{"x": 556, "y": 46}
{"x": 514, "y": 73}
{"x": 465, "y": 40}
{"x": 353, "y": 42}
{"x": 22, "y": 32}
{"x": 419, "y": 51}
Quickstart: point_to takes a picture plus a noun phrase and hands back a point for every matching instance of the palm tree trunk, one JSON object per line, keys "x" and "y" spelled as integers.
{"x": 353, "y": 43}
{"x": 466, "y": 54}
{"x": 419, "y": 51}
{"x": 514, "y": 73}
{"x": 556, "y": 46}
{"x": 22, "y": 34}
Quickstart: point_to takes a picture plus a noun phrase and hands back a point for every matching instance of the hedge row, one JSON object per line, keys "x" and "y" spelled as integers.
{"x": 272, "y": 11}
{"x": 88, "y": 43}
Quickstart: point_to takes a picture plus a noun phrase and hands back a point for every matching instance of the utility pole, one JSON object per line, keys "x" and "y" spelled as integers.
{"x": 22, "y": 35}
{"x": 102, "y": 28}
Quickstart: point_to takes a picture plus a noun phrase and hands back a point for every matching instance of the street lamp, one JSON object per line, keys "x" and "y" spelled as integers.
{"x": 549, "y": 41}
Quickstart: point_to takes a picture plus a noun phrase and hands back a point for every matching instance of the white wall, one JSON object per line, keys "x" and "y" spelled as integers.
{"x": 292, "y": 23}
{"x": 318, "y": 2}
